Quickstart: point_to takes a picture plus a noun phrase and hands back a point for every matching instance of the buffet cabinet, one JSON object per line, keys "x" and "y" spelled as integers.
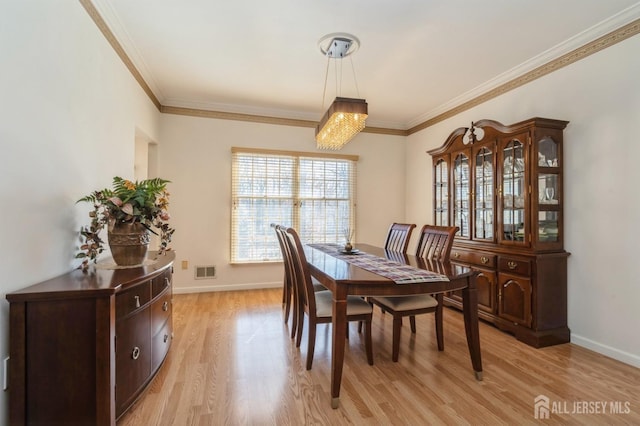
{"x": 84, "y": 346}
{"x": 502, "y": 186}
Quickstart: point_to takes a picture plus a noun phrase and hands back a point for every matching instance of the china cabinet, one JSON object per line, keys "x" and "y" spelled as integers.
{"x": 502, "y": 186}
{"x": 84, "y": 346}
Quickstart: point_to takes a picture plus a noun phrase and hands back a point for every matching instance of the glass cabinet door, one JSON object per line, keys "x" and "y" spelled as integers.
{"x": 441, "y": 193}
{"x": 548, "y": 183}
{"x": 461, "y": 194}
{"x": 514, "y": 200}
{"x": 483, "y": 195}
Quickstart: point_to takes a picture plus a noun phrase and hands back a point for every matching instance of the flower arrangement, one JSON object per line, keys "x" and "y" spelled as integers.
{"x": 145, "y": 202}
{"x": 348, "y": 235}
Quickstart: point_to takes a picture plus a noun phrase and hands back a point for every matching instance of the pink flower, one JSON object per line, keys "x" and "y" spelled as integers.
{"x": 127, "y": 208}
{"x": 164, "y": 215}
{"x": 115, "y": 200}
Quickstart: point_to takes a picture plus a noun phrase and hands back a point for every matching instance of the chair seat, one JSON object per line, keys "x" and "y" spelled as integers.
{"x": 355, "y": 305}
{"x": 408, "y": 303}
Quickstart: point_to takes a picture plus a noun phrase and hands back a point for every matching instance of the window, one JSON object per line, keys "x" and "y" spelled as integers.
{"x": 313, "y": 193}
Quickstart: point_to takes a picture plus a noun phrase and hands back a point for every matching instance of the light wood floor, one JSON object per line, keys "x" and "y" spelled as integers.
{"x": 232, "y": 363}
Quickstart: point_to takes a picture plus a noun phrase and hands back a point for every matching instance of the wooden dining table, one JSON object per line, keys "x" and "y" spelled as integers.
{"x": 344, "y": 278}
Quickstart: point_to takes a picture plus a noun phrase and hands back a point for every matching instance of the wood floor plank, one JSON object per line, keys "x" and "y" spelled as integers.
{"x": 232, "y": 362}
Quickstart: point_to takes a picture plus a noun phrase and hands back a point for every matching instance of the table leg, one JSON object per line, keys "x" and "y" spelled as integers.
{"x": 470, "y": 309}
{"x": 339, "y": 327}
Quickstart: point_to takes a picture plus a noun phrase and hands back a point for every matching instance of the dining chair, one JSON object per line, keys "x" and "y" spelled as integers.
{"x": 288, "y": 295}
{"x": 318, "y": 305}
{"x": 434, "y": 245}
{"x": 398, "y": 237}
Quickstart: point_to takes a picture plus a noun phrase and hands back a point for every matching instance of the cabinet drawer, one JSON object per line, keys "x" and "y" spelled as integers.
{"x": 160, "y": 283}
{"x": 487, "y": 260}
{"x": 515, "y": 265}
{"x": 133, "y": 299}
{"x": 160, "y": 311}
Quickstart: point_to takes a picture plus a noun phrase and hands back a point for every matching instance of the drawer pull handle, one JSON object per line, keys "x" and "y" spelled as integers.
{"x": 167, "y": 283}
{"x": 456, "y": 254}
{"x": 512, "y": 265}
{"x": 166, "y": 337}
{"x": 137, "y": 299}
{"x": 165, "y": 306}
{"x": 484, "y": 260}
{"x": 136, "y": 353}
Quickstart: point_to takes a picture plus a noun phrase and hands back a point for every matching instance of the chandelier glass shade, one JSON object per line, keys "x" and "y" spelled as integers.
{"x": 344, "y": 119}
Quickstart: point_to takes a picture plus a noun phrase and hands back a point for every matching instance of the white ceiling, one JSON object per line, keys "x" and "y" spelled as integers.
{"x": 417, "y": 57}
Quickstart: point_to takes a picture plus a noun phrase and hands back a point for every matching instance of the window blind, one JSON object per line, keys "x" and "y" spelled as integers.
{"x": 313, "y": 193}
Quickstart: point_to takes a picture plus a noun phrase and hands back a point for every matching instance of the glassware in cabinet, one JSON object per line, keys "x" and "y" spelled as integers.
{"x": 513, "y": 191}
{"x": 461, "y": 185}
{"x": 441, "y": 193}
{"x": 484, "y": 195}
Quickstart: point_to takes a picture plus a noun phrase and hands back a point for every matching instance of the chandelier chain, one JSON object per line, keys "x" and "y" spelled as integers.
{"x": 326, "y": 78}
{"x": 355, "y": 80}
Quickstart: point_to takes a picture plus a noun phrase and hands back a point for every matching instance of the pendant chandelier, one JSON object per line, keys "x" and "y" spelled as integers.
{"x": 346, "y": 117}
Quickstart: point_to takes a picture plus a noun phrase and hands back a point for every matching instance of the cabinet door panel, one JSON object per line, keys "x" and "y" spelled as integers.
{"x": 514, "y": 195}
{"x": 514, "y": 299}
{"x": 133, "y": 357}
{"x": 461, "y": 204}
{"x": 441, "y": 192}
{"x": 483, "y": 195}
{"x": 160, "y": 311}
{"x": 161, "y": 343}
{"x": 486, "y": 284}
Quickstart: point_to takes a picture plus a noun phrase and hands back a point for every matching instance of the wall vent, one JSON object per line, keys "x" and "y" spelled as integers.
{"x": 205, "y": 272}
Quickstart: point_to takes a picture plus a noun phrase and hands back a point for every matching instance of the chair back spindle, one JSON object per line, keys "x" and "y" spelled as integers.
{"x": 435, "y": 242}
{"x": 398, "y": 237}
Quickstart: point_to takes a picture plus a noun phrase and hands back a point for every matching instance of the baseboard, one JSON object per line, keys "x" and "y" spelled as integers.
{"x": 228, "y": 287}
{"x": 614, "y": 353}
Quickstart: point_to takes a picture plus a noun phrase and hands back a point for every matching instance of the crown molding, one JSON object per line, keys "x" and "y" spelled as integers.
{"x": 620, "y": 27}
{"x": 134, "y": 60}
{"x": 240, "y": 109}
{"x": 222, "y": 115}
{"x": 204, "y": 113}
{"x": 272, "y": 113}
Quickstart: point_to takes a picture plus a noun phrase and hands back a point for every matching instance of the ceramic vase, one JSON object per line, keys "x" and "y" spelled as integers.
{"x": 129, "y": 243}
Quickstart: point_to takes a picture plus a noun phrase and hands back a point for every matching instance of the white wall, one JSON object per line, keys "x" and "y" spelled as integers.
{"x": 600, "y": 96}
{"x": 196, "y": 157}
{"x": 68, "y": 113}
